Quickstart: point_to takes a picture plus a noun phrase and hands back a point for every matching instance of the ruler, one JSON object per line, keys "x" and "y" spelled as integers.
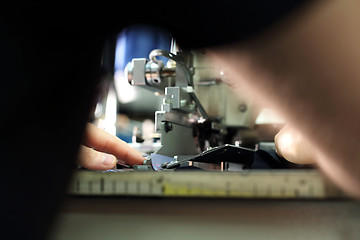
{"x": 288, "y": 184}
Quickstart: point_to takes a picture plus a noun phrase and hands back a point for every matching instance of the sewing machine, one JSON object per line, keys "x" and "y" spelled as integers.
{"x": 200, "y": 114}
{"x": 194, "y": 95}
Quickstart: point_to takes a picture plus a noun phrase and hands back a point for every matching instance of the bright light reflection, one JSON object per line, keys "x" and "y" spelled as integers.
{"x": 126, "y": 92}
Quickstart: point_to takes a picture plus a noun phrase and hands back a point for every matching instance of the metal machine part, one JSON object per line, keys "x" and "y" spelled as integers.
{"x": 236, "y": 110}
{"x": 148, "y": 74}
{"x": 227, "y": 155}
{"x": 185, "y": 125}
{"x": 189, "y": 131}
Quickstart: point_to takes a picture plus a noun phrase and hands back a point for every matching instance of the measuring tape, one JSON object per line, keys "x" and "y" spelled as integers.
{"x": 246, "y": 184}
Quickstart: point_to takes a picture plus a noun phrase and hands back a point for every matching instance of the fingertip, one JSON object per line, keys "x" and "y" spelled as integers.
{"x": 94, "y": 160}
{"x": 135, "y": 158}
{"x": 108, "y": 160}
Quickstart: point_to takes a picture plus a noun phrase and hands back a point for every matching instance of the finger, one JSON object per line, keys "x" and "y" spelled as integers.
{"x": 291, "y": 145}
{"x": 94, "y": 160}
{"x": 105, "y": 142}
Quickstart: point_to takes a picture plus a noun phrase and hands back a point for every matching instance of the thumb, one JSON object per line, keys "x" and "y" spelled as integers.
{"x": 291, "y": 145}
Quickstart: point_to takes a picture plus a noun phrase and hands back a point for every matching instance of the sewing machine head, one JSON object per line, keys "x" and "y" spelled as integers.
{"x": 198, "y": 110}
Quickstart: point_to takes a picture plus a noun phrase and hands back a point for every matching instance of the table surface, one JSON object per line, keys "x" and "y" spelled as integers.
{"x": 206, "y": 218}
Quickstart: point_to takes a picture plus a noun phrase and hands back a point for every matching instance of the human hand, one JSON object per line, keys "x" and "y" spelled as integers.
{"x": 289, "y": 68}
{"x": 101, "y": 150}
{"x": 291, "y": 145}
